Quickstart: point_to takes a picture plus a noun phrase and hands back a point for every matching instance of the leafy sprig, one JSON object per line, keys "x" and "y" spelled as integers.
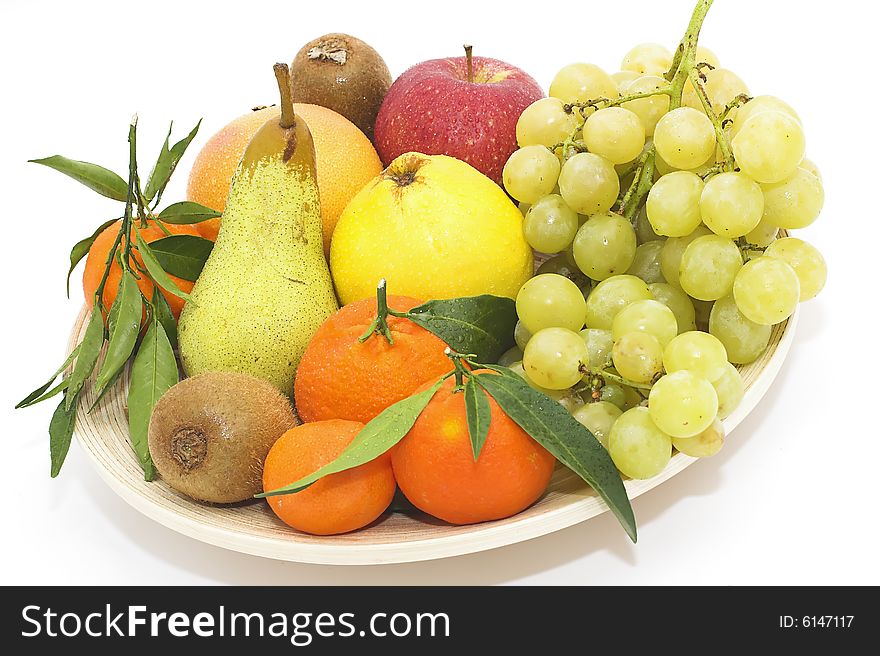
{"x": 117, "y": 330}
{"x": 475, "y": 322}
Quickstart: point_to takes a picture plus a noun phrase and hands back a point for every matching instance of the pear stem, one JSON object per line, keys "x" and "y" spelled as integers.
{"x": 469, "y": 56}
{"x": 282, "y": 74}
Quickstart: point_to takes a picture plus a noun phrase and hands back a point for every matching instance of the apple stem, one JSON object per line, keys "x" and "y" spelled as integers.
{"x": 288, "y": 117}
{"x": 469, "y": 55}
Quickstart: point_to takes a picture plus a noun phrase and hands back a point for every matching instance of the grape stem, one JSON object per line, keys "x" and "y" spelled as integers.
{"x": 697, "y": 80}
{"x": 614, "y": 378}
{"x": 683, "y": 64}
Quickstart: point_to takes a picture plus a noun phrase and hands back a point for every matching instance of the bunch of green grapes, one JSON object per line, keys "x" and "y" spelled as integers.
{"x": 656, "y": 200}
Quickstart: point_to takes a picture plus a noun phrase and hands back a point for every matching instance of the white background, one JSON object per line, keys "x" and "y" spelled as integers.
{"x": 792, "y": 498}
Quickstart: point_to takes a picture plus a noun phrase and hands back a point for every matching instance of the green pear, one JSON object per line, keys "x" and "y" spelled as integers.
{"x": 265, "y": 288}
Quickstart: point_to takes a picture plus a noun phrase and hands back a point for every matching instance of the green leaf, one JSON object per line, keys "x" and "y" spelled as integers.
{"x": 103, "y": 391}
{"x": 563, "y": 436}
{"x": 61, "y": 431}
{"x": 478, "y": 325}
{"x": 187, "y": 212}
{"x": 379, "y": 435}
{"x": 479, "y": 415}
{"x": 156, "y": 271}
{"x": 182, "y": 255}
{"x": 37, "y": 395}
{"x": 163, "y": 313}
{"x": 167, "y": 162}
{"x": 89, "y": 350}
{"x": 95, "y": 177}
{"x": 161, "y": 169}
{"x": 81, "y": 249}
{"x": 123, "y": 326}
{"x": 154, "y": 371}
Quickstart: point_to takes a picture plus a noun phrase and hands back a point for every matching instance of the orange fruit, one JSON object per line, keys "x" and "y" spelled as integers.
{"x": 337, "y": 503}
{"x": 345, "y": 158}
{"x": 96, "y": 262}
{"x": 434, "y": 464}
{"x": 340, "y": 377}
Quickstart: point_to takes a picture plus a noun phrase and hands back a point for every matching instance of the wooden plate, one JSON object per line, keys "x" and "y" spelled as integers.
{"x": 395, "y": 538}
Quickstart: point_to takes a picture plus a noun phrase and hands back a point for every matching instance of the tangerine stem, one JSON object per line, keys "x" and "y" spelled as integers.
{"x": 380, "y": 323}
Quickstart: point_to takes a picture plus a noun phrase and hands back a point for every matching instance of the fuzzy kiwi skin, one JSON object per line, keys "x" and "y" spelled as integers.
{"x": 209, "y": 435}
{"x": 355, "y": 88}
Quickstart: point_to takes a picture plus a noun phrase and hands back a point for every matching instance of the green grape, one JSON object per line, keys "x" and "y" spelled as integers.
{"x": 615, "y": 395}
{"x": 698, "y": 352}
{"x": 557, "y": 395}
{"x": 743, "y": 339}
{"x": 599, "y": 344}
{"x": 721, "y": 86}
{"x": 545, "y": 123}
{"x": 614, "y": 133}
{"x": 707, "y": 56}
{"x": 673, "y": 249}
{"x": 598, "y": 418}
{"x": 553, "y": 358}
{"x": 795, "y": 202}
{"x": 649, "y": 316}
{"x": 637, "y": 446}
{"x": 677, "y": 301}
{"x": 624, "y": 79}
{"x": 530, "y": 173}
{"x": 550, "y": 301}
{"x": 612, "y": 295}
{"x": 560, "y": 264}
{"x": 623, "y": 396}
{"x": 810, "y": 165}
{"x": 604, "y": 246}
{"x": 644, "y": 229}
{"x": 661, "y": 168}
{"x": 757, "y": 105}
{"x": 708, "y": 267}
{"x": 731, "y": 204}
{"x": 647, "y": 59}
{"x": 764, "y": 233}
{"x": 769, "y": 146}
{"x": 571, "y": 401}
{"x": 685, "y": 138}
{"x": 523, "y": 208}
{"x": 511, "y": 355}
{"x": 704, "y": 445}
{"x": 807, "y": 262}
{"x": 550, "y": 225}
{"x": 730, "y": 390}
{"x": 582, "y": 82}
{"x": 767, "y": 290}
{"x": 589, "y": 183}
{"x": 646, "y": 262}
{"x": 521, "y": 336}
{"x": 650, "y": 109}
{"x": 673, "y": 205}
{"x": 637, "y": 357}
{"x": 683, "y": 404}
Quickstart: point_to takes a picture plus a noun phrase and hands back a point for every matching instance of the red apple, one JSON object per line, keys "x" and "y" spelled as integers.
{"x": 465, "y": 107}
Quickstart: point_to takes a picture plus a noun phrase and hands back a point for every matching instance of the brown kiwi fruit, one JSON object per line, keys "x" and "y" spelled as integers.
{"x": 342, "y": 73}
{"x": 209, "y": 435}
